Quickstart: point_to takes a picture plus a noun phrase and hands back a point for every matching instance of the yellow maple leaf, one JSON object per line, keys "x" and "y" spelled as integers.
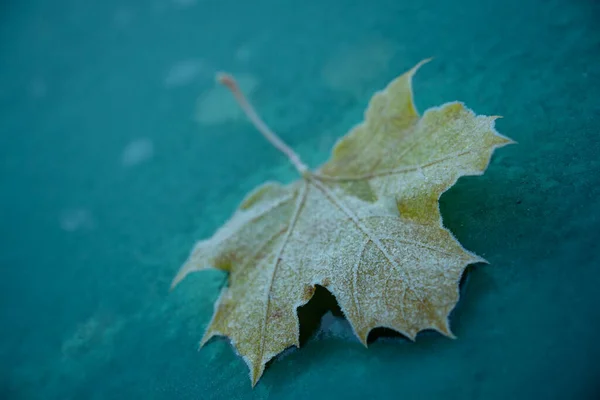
{"x": 366, "y": 225}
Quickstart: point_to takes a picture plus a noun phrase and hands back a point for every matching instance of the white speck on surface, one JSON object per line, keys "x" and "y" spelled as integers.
{"x": 352, "y": 67}
{"x": 76, "y": 219}
{"x": 123, "y": 17}
{"x": 137, "y": 152}
{"x": 184, "y": 72}
{"x": 243, "y": 53}
{"x": 38, "y": 88}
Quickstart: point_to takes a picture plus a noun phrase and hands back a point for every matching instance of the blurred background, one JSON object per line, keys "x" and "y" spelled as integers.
{"x": 118, "y": 152}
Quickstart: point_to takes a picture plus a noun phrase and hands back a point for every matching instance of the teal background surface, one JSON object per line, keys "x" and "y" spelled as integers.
{"x": 117, "y": 153}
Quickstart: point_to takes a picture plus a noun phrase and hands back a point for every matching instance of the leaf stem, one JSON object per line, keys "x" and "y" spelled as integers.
{"x": 230, "y": 82}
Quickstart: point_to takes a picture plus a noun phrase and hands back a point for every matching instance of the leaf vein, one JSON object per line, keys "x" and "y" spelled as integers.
{"x": 410, "y": 168}
{"x": 293, "y": 220}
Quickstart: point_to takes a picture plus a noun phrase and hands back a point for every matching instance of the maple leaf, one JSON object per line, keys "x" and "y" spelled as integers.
{"x": 366, "y": 225}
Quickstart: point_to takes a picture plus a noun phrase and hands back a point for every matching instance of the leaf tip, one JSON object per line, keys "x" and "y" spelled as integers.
{"x": 443, "y": 327}
{"x": 362, "y": 337}
{"x": 422, "y": 62}
{"x": 418, "y": 66}
{"x": 255, "y": 373}
{"x": 204, "y": 340}
{"x": 182, "y": 273}
{"x": 209, "y": 334}
{"x": 411, "y": 335}
{"x": 178, "y": 278}
{"x": 503, "y": 140}
{"x": 477, "y": 260}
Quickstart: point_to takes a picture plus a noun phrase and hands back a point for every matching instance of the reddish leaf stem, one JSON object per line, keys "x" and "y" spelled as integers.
{"x": 230, "y": 82}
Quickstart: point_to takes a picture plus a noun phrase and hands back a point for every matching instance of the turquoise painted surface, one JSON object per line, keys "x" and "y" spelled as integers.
{"x": 116, "y": 156}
